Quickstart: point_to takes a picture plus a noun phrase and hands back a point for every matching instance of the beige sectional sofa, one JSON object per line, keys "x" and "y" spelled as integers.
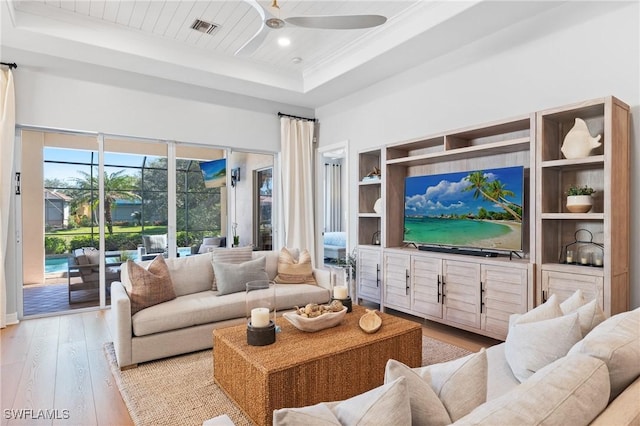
{"x": 185, "y": 324}
{"x": 573, "y": 370}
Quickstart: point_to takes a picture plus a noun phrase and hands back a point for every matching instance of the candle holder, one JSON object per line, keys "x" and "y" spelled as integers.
{"x": 583, "y": 252}
{"x": 340, "y": 285}
{"x": 261, "y": 312}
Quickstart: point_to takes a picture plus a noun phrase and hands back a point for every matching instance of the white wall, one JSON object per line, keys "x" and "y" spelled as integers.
{"x": 57, "y": 102}
{"x": 593, "y": 55}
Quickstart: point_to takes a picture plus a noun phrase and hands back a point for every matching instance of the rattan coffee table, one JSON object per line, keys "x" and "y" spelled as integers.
{"x": 302, "y": 369}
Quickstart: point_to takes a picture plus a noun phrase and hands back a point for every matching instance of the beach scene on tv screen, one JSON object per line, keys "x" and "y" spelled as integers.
{"x": 476, "y": 209}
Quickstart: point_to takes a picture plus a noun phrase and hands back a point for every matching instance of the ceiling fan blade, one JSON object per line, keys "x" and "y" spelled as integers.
{"x": 254, "y": 42}
{"x": 258, "y": 38}
{"x": 337, "y": 22}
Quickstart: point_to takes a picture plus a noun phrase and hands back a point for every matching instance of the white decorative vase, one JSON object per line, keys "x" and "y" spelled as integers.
{"x": 377, "y": 206}
{"x": 578, "y": 143}
{"x": 579, "y": 203}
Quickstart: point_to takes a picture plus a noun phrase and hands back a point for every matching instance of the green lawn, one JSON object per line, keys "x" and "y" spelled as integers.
{"x": 148, "y": 230}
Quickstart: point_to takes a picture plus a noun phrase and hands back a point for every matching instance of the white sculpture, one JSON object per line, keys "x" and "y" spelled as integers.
{"x": 578, "y": 143}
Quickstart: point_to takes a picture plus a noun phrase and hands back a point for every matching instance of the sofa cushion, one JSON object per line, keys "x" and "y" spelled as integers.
{"x": 615, "y": 341}
{"x": 570, "y": 391}
{"x": 205, "y": 308}
{"x": 461, "y": 384}
{"x": 386, "y": 405}
{"x": 230, "y": 255}
{"x": 233, "y": 277}
{"x": 292, "y": 271}
{"x": 426, "y": 407}
{"x": 190, "y": 274}
{"x": 271, "y": 261}
{"x": 531, "y": 346}
{"x": 149, "y": 286}
{"x": 500, "y": 378}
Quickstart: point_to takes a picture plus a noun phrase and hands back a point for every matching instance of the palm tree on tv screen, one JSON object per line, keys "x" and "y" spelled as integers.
{"x": 494, "y": 191}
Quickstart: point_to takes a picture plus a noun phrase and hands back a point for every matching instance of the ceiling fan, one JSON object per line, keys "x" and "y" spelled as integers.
{"x": 327, "y": 22}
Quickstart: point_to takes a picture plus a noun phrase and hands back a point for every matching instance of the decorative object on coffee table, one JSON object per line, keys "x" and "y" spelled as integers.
{"x": 315, "y": 317}
{"x": 261, "y": 312}
{"x": 579, "y": 143}
{"x": 341, "y": 284}
{"x": 370, "y": 322}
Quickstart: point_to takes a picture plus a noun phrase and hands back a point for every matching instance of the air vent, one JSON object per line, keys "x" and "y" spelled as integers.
{"x": 203, "y": 26}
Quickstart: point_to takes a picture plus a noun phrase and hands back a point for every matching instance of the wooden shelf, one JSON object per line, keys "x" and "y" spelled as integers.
{"x": 502, "y": 147}
{"x": 573, "y": 216}
{"x": 595, "y": 161}
{"x": 369, "y": 215}
{"x": 370, "y": 182}
{"x": 575, "y": 269}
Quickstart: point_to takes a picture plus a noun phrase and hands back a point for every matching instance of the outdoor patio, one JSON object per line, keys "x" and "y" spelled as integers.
{"x": 53, "y": 297}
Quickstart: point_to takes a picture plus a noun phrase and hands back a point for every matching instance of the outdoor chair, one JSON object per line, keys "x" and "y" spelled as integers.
{"x": 84, "y": 264}
{"x": 152, "y": 245}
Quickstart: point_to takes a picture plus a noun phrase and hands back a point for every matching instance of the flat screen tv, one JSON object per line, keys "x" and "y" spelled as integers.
{"x": 478, "y": 209}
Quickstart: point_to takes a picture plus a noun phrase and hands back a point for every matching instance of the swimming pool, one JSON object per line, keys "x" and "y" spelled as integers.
{"x": 58, "y": 263}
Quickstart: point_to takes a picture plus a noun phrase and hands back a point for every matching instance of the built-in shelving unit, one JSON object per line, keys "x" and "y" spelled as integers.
{"x": 606, "y": 170}
{"x": 370, "y": 225}
{"x": 479, "y": 294}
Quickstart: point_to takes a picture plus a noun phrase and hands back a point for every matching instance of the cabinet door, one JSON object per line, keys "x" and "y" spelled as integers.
{"x": 426, "y": 290}
{"x": 462, "y": 292}
{"x": 564, "y": 284}
{"x": 504, "y": 292}
{"x": 368, "y": 274}
{"x": 396, "y": 280}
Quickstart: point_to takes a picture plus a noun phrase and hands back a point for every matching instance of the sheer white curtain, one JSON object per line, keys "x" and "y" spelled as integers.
{"x": 297, "y": 183}
{"x": 7, "y": 142}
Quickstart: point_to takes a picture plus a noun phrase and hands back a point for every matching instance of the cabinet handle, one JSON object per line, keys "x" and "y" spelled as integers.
{"x": 544, "y": 296}
{"x": 481, "y": 293}
{"x": 443, "y": 283}
{"x": 377, "y": 275}
{"x": 406, "y": 279}
{"x": 439, "y": 288}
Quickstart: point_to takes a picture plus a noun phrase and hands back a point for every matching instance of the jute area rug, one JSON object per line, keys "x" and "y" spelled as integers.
{"x": 181, "y": 390}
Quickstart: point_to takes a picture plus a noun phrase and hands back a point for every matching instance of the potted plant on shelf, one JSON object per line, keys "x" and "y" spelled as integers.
{"x": 579, "y": 199}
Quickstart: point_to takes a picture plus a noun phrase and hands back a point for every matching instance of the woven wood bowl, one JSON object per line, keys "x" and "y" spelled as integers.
{"x": 370, "y": 322}
{"x": 327, "y": 320}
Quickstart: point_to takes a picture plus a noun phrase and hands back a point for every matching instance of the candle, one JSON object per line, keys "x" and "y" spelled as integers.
{"x": 597, "y": 259}
{"x": 340, "y": 292}
{"x": 260, "y": 317}
{"x": 584, "y": 260}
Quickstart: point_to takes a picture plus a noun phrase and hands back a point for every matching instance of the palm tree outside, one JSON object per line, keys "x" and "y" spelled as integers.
{"x": 117, "y": 186}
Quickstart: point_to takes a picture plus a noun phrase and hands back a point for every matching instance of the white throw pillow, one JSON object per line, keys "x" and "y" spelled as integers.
{"x": 387, "y": 404}
{"x": 533, "y": 345}
{"x": 549, "y": 309}
{"x": 589, "y": 315}
{"x": 573, "y": 302}
{"x": 461, "y": 384}
{"x": 570, "y": 391}
{"x": 426, "y": 407}
{"x": 615, "y": 341}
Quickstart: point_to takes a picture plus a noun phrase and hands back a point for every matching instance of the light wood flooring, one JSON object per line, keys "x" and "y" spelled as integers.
{"x": 57, "y": 363}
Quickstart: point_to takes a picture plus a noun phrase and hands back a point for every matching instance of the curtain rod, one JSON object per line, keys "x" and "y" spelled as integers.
{"x": 10, "y": 65}
{"x": 280, "y": 114}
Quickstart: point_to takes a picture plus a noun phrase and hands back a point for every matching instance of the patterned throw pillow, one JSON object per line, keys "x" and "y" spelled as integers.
{"x": 291, "y": 271}
{"x": 150, "y": 286}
